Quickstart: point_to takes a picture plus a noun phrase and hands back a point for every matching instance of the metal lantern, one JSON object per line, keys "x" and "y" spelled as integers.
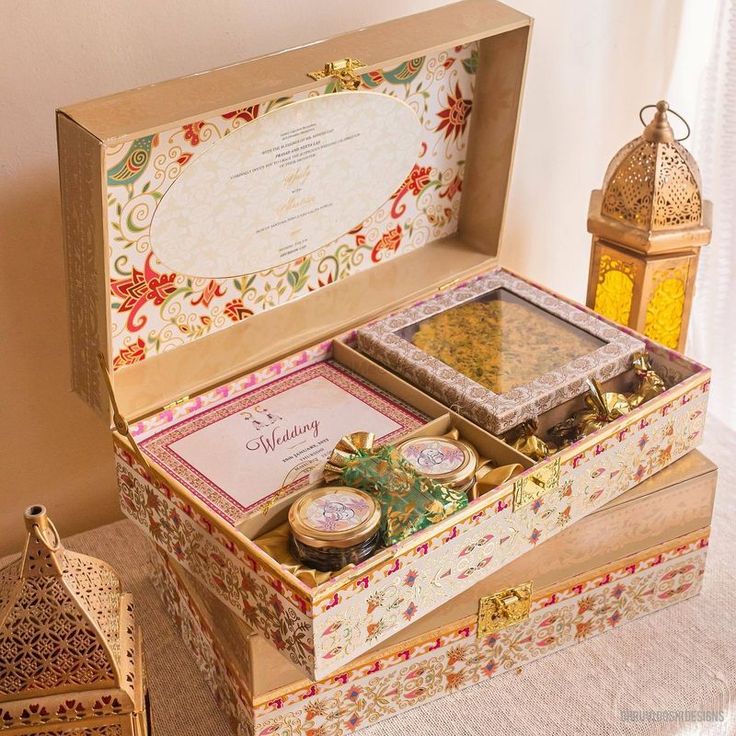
{"x": 648, "y": 224}
{"x": 70, "y": 652}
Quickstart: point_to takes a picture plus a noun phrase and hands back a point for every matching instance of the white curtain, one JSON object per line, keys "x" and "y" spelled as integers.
{"x": 703, "y": 89}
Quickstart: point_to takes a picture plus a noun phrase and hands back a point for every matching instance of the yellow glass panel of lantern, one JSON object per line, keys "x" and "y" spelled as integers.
{"x": 666, "y": 306}
{"x": 615, "y": 290}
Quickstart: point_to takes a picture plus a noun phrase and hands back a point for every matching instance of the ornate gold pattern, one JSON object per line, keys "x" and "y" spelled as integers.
{"x": 69, "y": 648}
{"x": 528, "y": 488}
{"x": 615, "y": 290}
{"x": 666, "y": 306}
{"x": 649, "y": 215}
{"x": 502, "y": 609}
{"x": 653, "y": 182}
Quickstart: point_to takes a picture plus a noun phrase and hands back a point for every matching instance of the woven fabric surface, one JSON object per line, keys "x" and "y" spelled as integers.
{"x": 671, "y": 664}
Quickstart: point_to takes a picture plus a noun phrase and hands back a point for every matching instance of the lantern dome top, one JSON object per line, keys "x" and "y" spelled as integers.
{"x": 651, "y": 194}
{"x": 64, "y": 624}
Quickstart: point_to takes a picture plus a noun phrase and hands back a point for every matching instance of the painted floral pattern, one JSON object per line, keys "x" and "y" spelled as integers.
{"x": 320, "y": 634}
{"x": 445, "y": 661}
{"x": 154, "y": 309}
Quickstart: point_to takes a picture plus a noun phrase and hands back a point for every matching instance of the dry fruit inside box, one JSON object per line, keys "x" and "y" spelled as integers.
{"x": 217, "y": 223}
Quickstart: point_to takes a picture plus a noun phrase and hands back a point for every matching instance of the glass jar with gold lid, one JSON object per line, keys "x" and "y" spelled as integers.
{"x": 334, "y": 526}
{"x": 446, "y": 460}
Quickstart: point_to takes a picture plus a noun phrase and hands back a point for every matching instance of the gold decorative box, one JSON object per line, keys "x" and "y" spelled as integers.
{"x": 499, "y": 349}
{"x": 70, "y": 651}
{"x": 226, "y": 233}
{"x": 640, "y": 553}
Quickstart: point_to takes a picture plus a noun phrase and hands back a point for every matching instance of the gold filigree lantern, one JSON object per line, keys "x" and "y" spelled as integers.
{"x": 648, "y": 223}
{"x": 70, "y": 652}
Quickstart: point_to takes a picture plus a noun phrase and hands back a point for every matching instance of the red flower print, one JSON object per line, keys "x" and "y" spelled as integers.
{"x": 320, "y": 283}
{"x": 455, "y": 186}
{"x": 129, "y": 354}
{"x": 353, "y": 722}
{"x": 139, "y": 288}
{"x": 491, "y": 667}
{"x": 584, "y": 605}
{"x": 212, "y": 290}
{"x": 640, "y": 474}
{"x": 183, "y": 158}
{"x": 411, "y": 609}
{"x": 388, "y": 243}
{"x": 418, "y": 178}
{"x": 454, "y": 680}
{"x": 244, "y": 113}
{"x": 236, "y": 310}
{"x": 354, "y": 693}
{"x": 454, "y": 118}
{"x": 535, "y": 535}
{"x": 411, "y": 578}
{"x": 192, "y": 131}
{"x": 160, "y": 286}
{"x": 583, "y": 629}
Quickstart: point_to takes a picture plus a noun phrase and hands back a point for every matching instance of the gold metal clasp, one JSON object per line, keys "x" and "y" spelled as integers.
{"x": 502, "y": 609}
{"x": 528, "y": 488}
{"x": 343, "y": 71}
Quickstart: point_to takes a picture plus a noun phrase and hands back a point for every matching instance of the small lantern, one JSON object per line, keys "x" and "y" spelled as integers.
{"x": 648, "y": 224}
{"x": 70, "y": 652}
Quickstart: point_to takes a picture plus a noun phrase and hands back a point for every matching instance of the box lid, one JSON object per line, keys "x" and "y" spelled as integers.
{"x": 217, "y": 222}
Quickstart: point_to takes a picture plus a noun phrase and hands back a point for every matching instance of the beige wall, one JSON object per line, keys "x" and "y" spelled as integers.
{"x": 593, "y": 64}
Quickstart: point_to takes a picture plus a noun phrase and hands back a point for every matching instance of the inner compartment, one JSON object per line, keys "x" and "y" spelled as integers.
{"x": 673, "y": 369}
{"x": 430, "y": 418}
{"x": 500, "y": 340}
{"x": 421, "y": 416}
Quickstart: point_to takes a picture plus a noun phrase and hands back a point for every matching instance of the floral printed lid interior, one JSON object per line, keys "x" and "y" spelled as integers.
{"x": 227, "y": 197}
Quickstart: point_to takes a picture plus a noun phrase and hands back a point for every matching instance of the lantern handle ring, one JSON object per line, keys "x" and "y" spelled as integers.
{"x": 55, "y": 544}
{"x": 676, "y": 114}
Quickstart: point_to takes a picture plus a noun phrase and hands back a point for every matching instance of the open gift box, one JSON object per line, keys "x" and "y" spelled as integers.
{"x": 642, "y": 552}
{"x": 227, "y": 232}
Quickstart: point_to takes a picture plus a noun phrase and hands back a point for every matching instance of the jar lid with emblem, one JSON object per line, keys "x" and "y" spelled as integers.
{"x": 448, "y": 461}
{"x": 334, "y": 526}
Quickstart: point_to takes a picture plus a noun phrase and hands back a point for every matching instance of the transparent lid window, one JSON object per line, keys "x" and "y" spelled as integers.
{"x": 500, "y": 340}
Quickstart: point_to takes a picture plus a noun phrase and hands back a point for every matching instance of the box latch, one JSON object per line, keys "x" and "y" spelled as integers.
{"x": 530, "y": 487}
{"x": 343, "y": 71}
{"x": 504, "y": 608}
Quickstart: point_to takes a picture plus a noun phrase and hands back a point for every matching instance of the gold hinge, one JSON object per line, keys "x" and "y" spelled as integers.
{"x": 344, "y": 72}
{"x": 118, "y": 419}
{"x": 504, "y": 608}
{"x": 449, "y": 284}
{"x": 176, "y": 402}
{"x": 528, "y": 488}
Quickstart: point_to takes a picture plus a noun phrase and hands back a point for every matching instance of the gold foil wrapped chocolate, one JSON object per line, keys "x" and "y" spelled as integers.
{"x": 409, "y": 500}
{"x": 650, "y": 383}
{"x": 565, "y": 433}
{"x": 601, "y": 409}
{"x": 524, "y": 439}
